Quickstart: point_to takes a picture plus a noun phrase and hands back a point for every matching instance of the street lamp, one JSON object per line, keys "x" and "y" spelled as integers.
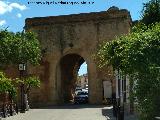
{"x": 22, "y": 68}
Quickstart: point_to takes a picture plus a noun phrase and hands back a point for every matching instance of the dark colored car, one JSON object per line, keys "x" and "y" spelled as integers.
{"x": 81, "y": 97}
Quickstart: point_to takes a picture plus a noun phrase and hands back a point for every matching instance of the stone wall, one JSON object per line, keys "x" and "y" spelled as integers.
{"x": 75, "y": 35}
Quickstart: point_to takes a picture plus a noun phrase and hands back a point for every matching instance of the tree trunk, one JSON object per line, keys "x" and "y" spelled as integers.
{"x": 26, "y": 102}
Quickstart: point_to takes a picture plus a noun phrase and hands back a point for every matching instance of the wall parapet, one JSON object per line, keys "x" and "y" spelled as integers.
{"x": 111, "y": 13}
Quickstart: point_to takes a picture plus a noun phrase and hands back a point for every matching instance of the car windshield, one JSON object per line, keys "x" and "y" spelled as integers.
{"x": 82, "y": 93}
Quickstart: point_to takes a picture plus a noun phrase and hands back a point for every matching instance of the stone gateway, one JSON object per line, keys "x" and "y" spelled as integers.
{"x": 67, "y": 41}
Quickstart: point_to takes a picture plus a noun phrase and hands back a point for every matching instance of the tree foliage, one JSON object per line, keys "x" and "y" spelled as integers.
{"x": 19, "y": 47}
{"x": 138, "y": 54}
{"x": 151, "y": 12}
{"x": 140, "y": 48}
{"x": 6, "y": 39}
{"x": 6, "y": 85}
{"x": 29, "y": 82}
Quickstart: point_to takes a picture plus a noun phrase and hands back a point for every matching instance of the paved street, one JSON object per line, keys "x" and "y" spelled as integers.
{"x": 69, "y": 112}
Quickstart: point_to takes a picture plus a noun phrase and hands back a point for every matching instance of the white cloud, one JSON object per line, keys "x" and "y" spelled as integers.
{"x": 4, "y": 8}
{"x": 18, "y": 6}
{"x": 2, "y": 22}
{"x": 8, "y": 7}
{"x": 19, "y": 15}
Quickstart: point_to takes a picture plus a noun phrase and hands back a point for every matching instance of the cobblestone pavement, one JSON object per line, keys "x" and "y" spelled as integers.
{"x": 67, "y": 112}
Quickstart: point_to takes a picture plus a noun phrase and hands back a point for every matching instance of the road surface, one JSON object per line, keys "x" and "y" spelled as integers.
{"x": 65, "y": 112}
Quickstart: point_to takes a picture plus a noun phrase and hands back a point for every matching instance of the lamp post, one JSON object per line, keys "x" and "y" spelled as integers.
{"x": 22, "y": 68}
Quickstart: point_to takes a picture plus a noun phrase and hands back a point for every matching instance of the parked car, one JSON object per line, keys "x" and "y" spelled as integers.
{"x": 84, "y": 90}
{"x": 77, "y": 90}
{"x": 81, "y": 97}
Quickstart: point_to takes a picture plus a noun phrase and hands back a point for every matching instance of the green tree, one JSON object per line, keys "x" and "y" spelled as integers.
{"x": 151, "y": 12}
{"x": 18, "y": 48}
{"x": 138, "y": 55}
{"x": 26, "y": 48}
{"x": 29, "y": 82}
{"x": 6, "y": 86}
{"x": 6, "y": 39}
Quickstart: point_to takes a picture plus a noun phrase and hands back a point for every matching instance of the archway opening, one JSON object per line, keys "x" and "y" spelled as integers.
{"x": 82, "y": 79}
{"x": 70, "y": 65}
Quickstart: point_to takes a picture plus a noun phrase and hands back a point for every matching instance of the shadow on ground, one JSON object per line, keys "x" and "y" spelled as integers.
{"x": 108, "y": 113}
{"x": 70, "y": 106}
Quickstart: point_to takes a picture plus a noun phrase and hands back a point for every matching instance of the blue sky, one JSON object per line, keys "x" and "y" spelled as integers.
{"x": 14, "y": 12}
{"x": 83, "y": 69}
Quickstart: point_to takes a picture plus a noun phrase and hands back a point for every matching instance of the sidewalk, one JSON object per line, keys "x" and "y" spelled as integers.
{"x": 108, "y": 113}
